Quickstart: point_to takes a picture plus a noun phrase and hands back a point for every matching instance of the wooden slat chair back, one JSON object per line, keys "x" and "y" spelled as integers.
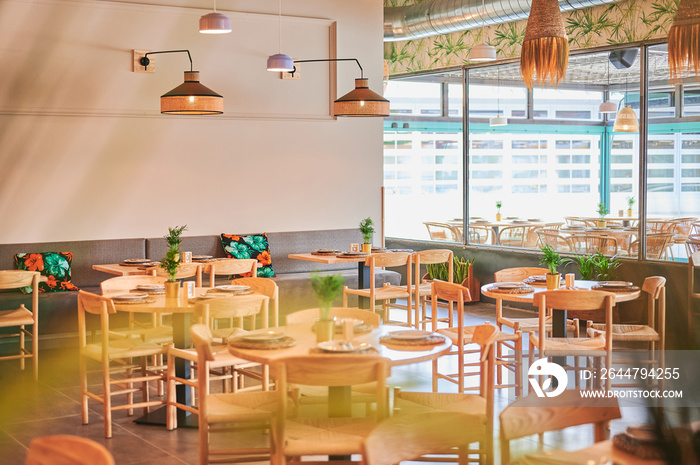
{"x": 126, "y": 284}
{"x": 309, "y": 315}
{"x": 299, "y": 436}
{"x": 184, "y": 270}
{"x": 264, "y": 286}
{"x": 64, "y": 449}
{"x": 111, "y": 348}
{"x": 235, "y": 311}
{"x": 250, "y": 410}
{"x": 22, "y": 317}
{"x": 421, "y": 290}
{"x": 528, "y": 416}
{"x": 408, "y": 437}
{"x": 231, "y": 266}
{"x": 387, "y": 292}
{"x": 517, "y": 274}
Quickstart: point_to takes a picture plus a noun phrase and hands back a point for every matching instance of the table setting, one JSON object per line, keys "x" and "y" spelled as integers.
{"x": 264, "y": 339}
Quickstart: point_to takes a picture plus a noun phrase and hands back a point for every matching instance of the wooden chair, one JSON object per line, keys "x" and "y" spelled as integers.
{"x": 227, "y": 316}
{"x": 112, "y": 349}
{"x": 310, "y": 315}
{"x": 252, "y": 410}
{"x": 440, "y": 231}
{"x": 513, "y": 236}
{"x": 409, "y": 437}
{"x": 575, "y": 221}
{"x": 231, "y": 266}
{"x": 21, "y": 317}
{"x": 692, "y": 245}
{"x": 480, "y": 234}
{"x": 593, "y": 243}
{"x": 681, "y": 231}
{"x": 387, "y": 292}
{"x": 478, "y": 406}
{"x": 528, "y": 416}
{"x": 268, "y": 287}
{"x": 555, "y": 239}
{"x": 64, "y": 449}
{"x": 598, "y": 347}
{"x": 329, "y": 434}
{"x": 184, "y": 270}
{"x": 462, "y": 336}
{"x": 657, "y": 243}
{"x": 422, "y": 290}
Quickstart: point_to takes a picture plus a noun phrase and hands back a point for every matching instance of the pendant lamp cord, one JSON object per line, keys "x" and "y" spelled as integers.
{"x": 279, "y": 36}
{"x": 214, "y": 6}
{"x": 483, "y": 20}
{"x": 498, "y": 95}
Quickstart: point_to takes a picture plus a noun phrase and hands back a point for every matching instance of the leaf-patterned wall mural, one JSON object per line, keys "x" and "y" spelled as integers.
{"x": 615, "y": 23}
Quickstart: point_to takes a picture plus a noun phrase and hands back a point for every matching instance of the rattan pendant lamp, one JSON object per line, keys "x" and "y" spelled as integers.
{"x": 545, "y": 51}
{"x": 684, "y": 38}
{"x": 626, "y": 120}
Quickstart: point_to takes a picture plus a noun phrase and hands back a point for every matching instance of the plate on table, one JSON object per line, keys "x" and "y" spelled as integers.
{"x": 518, "y": 221}
{"x": 596, "y": 228}
{"x": 328, "y": 251}
{"x": 130, "y": 296}
{"x": 534, "y": 219}
{"x": 538, "y": 278}
{"x": 261, "y": 335}
{"x": 150, "y": 287}
{"x": 201, "y": 257}
{"x": 343, "y": 347}
{"x": 136, "y": 260}
{"x": 355, "y": 322}
{"x": 233, "y": 287}
{"x": 409, "y": 335}
{"x": 351, "y": 254}
{"x": 615, "y": 284}
{"x": 215, "y": 295}
{"x": 514, "y": 285}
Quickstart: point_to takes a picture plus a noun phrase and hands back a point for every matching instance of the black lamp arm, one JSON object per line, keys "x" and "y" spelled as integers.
{"x": 362, "y": 72}
{"x": 145, "y": 61}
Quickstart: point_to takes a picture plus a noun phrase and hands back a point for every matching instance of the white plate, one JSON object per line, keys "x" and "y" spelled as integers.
{"x": 261, "y": 335}
{"x": 233, "y": 288}
{"x": 328, "y": 251}
{"x": 136, "y": 260}
{"x": 151, "y": 287}
{"x": 538, "y": 278}
{"x": 519, "y": 221}
{"x": 343, "y": 346}
{"x": 201, "y": 257}
{"x": 615, "y": 284}
{"x": 510, "y": 286}
{"x": 534, "y": 219}
{"x": 409, "y": 334}
{"x": 214, "y": 295}
{"x": 130, "y": 296}
{"x": 355, "y": 321}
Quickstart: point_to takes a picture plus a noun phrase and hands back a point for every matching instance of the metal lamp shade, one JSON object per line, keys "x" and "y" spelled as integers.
{"x": 482, "y": 52}
{"x": 498, "y": 120}
{"x": 608, "y": 107}
{"x": 280, "y": 62}
{"x": 214, "y": 23}
{"x": 684, "y": 38}
{"x": 626, "y": 121}
{"x": 545, "y": 50}
{"x": 191, "y": 98}
{"x": 361, "y": 102}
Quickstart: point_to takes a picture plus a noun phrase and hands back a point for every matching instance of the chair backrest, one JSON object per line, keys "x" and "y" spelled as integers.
{"x": 592, "y": 243}
{"x": 553, "y": 238}
{"x": 514, "y": 236}
{"x": 389, "y": 260}
{"x": 233, "y": 308}
{"x": 432, "y": 257}
{"x": 656, "y": 244}
{"x": 232, "y": 266}
{"x": 479, "y": 234}
{"x": 126, "y": 283}
{"x": 410, "y": 436}
{"x": 67, "y": 450}
{"x": 16, "y": 279}
{"x": 452, "y": 292}
{"x": 96, "y": 305}
{"x": 517, "y": 274}
{"x": 201, "y": 340}
{"x": 683, "y": 226}
{"x": 655, "y": 287}
{"x": 264, "y": 286}
{"x": 309, "y": 315}
{"x": 527, "y": 416}
{"x": 184, "y": 270}
{"x": 440, "y": 231}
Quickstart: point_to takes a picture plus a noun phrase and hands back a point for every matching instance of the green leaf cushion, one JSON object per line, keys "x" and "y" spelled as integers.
{"x": 56, "y": 266}
{"x": 250, "y": 246}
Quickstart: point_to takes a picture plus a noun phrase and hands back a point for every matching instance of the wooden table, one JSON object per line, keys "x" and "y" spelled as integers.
{"x": 496, "y": 225}
{"x": 183, "y": 312}
{"x": 558, "y": 316}
{"x": 363, "y": 275}
{"x": 122, "y": 270}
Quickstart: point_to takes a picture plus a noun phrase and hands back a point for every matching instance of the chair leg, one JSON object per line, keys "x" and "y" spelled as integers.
{"x": 171, "y": 412}
{"x": 519, "y": 366}
{"x": 203, "y": 443}
{"x": 83, "y": 391}
{"x": 145, "y": 395}
{"x": 35, "y": 352}
{"x": 107, "y": 400}
{"x": 21, "y": 347}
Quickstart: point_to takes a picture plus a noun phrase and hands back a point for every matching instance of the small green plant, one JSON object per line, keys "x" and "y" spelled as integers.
{"x": 460, "y": 270}
{"x": 605, "y": 267}
{"x": 602, "y": 210}
{"x": 499, "y": 204}
{"x": 551, "y": 259}
{"x": 630, "y": 202}
{"x": 367, "y": 229}
{"x": 327, "y": 288}
{"x": 172, "y": 257}
{"x": 586, "y": 266}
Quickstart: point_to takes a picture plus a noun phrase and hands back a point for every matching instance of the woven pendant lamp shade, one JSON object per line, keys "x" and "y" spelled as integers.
{"x": 545, "y": 51}
{"x": 684, "y": 38}
{"x": 361, "y": 102}
{"x": 626, "y": 121}
{"x": 191, "y": 98}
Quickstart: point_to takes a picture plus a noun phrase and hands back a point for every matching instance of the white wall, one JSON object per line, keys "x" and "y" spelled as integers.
{"x": 84, "y": 153}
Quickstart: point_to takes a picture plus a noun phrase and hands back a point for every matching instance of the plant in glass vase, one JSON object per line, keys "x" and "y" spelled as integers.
{"x": 552, "y": 260}
{"x": 327, "y": 288}
{"x": 602, "y": 211}
{"x": 367, "y": 230}
{"x": 499, "y": 204}
{"x": 171, "y": 261}
{"x": 630, "y": 204}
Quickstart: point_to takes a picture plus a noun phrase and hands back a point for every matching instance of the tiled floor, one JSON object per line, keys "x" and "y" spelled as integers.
{"x": 30, "y": 409}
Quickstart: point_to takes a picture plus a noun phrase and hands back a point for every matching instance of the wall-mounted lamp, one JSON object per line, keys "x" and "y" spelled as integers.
{"x": 214, "y": 23}
{"x": 190, "y": 97}
{"x": 358, "y": 102}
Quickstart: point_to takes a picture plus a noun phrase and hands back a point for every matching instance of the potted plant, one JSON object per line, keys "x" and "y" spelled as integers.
{"x": 462, "y": 273}
{"x": 602, "y": 211}
{"x": 552, "y": 260}
{"x": 327, "y": 288}
{"x": 171, "y": 261}
{"x": 498, "y": 210}
{"x": 367, "y": 230}
{"x": 586, "y": 266}
{"x": 630, "y": 204}
{"x": 605, "y": 266}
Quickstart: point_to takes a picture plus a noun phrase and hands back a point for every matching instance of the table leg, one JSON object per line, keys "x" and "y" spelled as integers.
{"x": 339, "y": 406}
{"x": 558, "y": 330}
{"x": 363, "y": 282}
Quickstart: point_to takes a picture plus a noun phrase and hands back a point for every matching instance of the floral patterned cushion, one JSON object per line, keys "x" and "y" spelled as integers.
{"x": 54, "y": 265}
{"x": 250, "y": 246}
